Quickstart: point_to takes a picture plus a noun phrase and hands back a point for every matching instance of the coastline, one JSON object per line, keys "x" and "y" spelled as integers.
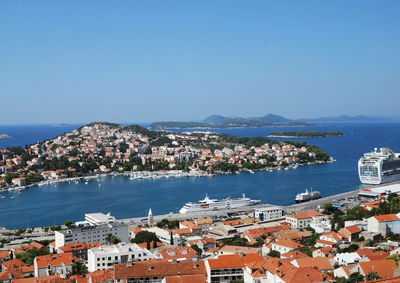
{"x": 303, "y": 137}
{"x": 140, "y": 175}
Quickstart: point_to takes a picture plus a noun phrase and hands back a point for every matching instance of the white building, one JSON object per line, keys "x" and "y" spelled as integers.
{"x": 347, "y": 258}
{"x": 384, "y": 224}
{"x": 88, "y": 234}
{"x": 164, "y": 235}
{"x": 269, "y": 213}
{"x": 104, "y": 257}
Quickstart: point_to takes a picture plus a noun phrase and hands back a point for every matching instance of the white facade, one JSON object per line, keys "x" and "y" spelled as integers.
{"x": 269, "y": 213}
{"x": 347, "y": 258}
{"x": 104, "y": 257}
{"x": 164, "y": 235}
{"x": 298, "y": 222}
{"x": 88, "y": 234}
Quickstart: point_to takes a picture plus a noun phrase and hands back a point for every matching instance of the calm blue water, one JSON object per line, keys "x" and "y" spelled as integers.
{"x": 126, "y": 198}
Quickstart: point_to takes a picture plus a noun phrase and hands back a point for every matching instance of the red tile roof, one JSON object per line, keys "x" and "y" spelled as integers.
{"x": 384, "y": 268}
{"x": 13, "y": 263}
{"x": 322, "y": 263}
{"x": 55, "y": 260}
{"x": 231, "y": 261}
{"x": 288, "y": 243}
{"x": 154, "y": 269}
{"x": 197, "y": 278}
{"x": 386, "y": 217}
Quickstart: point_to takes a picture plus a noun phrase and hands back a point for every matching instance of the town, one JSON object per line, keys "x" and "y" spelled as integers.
{"x": 106, "y": 148}
{"x": 350, "y": 240}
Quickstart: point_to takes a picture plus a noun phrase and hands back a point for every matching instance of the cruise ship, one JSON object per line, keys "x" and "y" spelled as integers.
{"x": 380, "y": 166}
{"x": 216, "y": 204}
{"x": 307, "y": 196}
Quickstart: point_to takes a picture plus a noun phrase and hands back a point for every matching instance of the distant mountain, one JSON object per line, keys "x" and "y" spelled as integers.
{"x": 218, "y": 121}
{"x": 272, "y": 118}
{"x": 349, "y": 119}
{"x": 215, "y": 119}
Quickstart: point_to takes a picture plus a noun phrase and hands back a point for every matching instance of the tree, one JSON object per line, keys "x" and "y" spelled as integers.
{"x": 148, "y": 245}
{"x": 372, "y": 276}
{"x": 198, "y": 250}
{"x": 171, "y": 239}
{"x": 112, "y": 239}
{"x": 144, "y": 237}
{"x": 274, "y": 254}
{"x": 68, "y": 223}
{"x": 154, "y": 243}
{"x": 356, "y": 277}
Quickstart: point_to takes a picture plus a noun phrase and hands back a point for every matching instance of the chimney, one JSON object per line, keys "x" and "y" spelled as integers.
{"x": 174, "y": 261}
{"x": 129, "y": 263}
{"x": 241, "y": 254}
{"x": 150, "y": 267}
{"x": 195, "y": 265}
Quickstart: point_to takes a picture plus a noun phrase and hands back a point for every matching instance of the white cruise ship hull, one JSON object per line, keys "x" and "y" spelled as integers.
{"x": 207, "y": 205}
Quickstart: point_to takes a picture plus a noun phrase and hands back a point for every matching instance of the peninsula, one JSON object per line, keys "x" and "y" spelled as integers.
{"x": 305, "y": 134}
{"x": 104, "y": 148}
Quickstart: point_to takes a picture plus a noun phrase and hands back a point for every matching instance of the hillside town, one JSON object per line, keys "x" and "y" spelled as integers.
{"x": 335, "y": 243}
{"x": 105, "y": 148}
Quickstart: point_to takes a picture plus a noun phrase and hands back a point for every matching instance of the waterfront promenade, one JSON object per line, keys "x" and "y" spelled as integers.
{"x": 314, "y": 204}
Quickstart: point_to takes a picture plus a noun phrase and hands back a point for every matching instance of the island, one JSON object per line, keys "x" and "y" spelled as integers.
{"x": 4, "y": 136}
{"x": 304, "y": 134}
{"x": 107, "y": 148}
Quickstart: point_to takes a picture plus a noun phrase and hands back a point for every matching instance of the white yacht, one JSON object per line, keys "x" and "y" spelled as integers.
{"x": 379, "y": 166}
{"x": 216, "y": 204}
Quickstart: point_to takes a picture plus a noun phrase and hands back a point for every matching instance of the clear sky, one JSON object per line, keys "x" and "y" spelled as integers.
{"x": 141, "y": 61}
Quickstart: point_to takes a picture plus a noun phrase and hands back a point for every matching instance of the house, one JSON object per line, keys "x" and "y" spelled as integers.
{"x": 384, "y": 224}
{"x": 230, "y": 250}
{"x": 176, "y": 253}
{"x": 156, "y": 271}
{"x": 284, "y": 246}
{"x": 302, "y": 219}
{"x": 104, "y": 257}
{"x": 350, "y": 232}
{"x": 19, "y": 181}
{"x": 226, "y": 268}
{"x": 274, "y": 270}
{"x": 385, "y": 268}
{"x": 78, "y": 250}
{"x": 322, "y": 263}
{"x": 323, "y": 252}
{"x": 347, "y": 258}
{"x": 54, "y": 264}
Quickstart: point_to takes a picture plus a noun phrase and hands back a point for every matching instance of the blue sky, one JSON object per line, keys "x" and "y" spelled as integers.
{"x": 141, "y": 61}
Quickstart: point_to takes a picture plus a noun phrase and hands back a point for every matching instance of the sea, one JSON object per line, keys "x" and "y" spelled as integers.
{"x": 124, "y": 198}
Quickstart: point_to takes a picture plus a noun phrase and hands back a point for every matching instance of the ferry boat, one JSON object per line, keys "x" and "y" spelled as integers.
{"x": 380, "y": 166}
{"x": 307, "y": 196}
{"x": 216, "y": 204}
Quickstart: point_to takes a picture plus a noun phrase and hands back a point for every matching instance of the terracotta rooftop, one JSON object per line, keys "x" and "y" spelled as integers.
{"x": 288, "y": 243}
{"x": 386, "y": 217}
{"x": 384, "y": 268}
{"x": 13, "y": 263}
{"x": 322, "y": 263}
{"x": 155, "y": 269}
{"x": 55, "y": 260}
{"x": 235, "y": 260}
{"x": 197, "y": 278}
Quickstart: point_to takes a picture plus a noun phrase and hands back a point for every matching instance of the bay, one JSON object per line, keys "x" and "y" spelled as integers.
{"x": 53, "y": 204}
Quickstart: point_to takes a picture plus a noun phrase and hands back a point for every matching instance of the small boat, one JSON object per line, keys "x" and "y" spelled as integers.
{"x": 2, "y": 197}
{"x": 12, "y": 197}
